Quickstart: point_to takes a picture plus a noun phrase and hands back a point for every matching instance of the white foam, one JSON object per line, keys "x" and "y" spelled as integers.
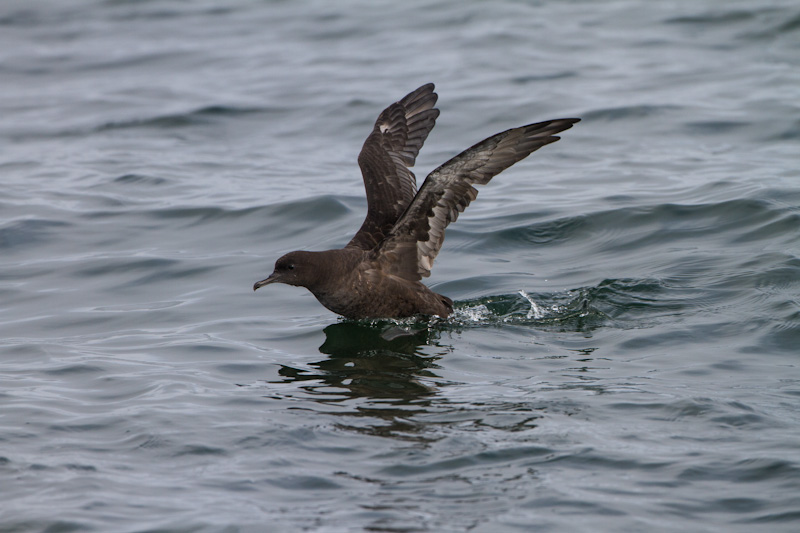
{"x": 477, "y": 313}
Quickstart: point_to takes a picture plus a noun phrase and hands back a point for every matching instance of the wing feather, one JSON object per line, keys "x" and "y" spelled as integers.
{"x": 412, "y": 244}
{"x": 388, "y": 153}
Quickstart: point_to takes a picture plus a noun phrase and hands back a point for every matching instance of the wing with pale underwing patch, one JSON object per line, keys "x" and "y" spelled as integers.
{"x": 412, "y": 245}
{"x": 388, "y": 153}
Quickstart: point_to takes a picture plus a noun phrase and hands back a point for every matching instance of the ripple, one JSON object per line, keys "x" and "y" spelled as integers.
{"x": 202, "y": 116}
{"x": 29, "y": 232}
{"x": 140, "y": 179}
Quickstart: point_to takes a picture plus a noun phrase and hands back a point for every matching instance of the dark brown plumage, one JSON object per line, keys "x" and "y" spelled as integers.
{"x": 378, "y": 273}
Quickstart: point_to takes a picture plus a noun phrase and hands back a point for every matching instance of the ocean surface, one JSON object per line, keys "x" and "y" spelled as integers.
{"x": 624, "y": 355}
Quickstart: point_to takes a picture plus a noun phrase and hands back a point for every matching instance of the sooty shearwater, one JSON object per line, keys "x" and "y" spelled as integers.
{"x": 378, "y": 273}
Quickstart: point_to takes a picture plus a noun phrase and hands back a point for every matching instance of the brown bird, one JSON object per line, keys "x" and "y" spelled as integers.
{"x": 378, "y": 273}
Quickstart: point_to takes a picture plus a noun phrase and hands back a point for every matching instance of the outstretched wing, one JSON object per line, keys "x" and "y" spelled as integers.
{"x": 385, "y": 158}
{"x": 412, "y": 245}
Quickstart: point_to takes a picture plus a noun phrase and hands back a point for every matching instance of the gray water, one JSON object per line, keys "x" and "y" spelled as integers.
{"x": 624, "y": 355}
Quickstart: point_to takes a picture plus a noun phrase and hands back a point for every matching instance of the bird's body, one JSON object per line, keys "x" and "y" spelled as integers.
{"x": 378, "y": 273}
{"x": 349, "y": 283}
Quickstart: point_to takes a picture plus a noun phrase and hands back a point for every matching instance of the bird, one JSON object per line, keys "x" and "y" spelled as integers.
{"x": 378, "y": 274}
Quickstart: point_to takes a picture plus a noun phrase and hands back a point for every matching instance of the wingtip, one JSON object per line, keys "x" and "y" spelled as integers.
{"x": 570, "y": 121}
{"x": 551, "y": 126}
{"x": 422, "y": 89}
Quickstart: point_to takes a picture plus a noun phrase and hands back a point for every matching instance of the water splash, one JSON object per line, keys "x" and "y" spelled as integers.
{"x": 579, "y": 307}
{"x": 535, "y": 311}
{"x": 473, "y": 314}
{"x": 576, "y": 309}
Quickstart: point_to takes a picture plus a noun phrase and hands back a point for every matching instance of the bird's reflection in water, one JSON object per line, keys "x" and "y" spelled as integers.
{"x": 382, "y": 362}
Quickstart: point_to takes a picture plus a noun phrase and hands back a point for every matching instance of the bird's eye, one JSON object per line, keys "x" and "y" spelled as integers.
{"x": 290, "y": 266}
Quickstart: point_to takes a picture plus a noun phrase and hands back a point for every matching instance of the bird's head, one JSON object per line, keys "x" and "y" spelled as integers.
{"x": 295, "y": 268}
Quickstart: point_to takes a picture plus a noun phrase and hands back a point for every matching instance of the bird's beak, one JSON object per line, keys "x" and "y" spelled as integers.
{"x": 271, "y": 279}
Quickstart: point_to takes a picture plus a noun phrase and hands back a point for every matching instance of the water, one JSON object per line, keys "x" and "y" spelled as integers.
{"x": 624, "y": 352}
